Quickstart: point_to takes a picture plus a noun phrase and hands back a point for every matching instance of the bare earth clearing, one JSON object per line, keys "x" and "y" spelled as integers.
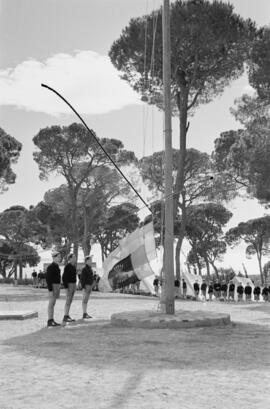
{"x": 95, "y": 365}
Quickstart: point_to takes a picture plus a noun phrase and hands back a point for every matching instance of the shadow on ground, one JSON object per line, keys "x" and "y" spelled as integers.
{"x": 244, "y": 346}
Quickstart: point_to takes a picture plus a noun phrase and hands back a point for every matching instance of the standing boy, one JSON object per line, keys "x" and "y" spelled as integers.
{"x": 69, "y": 280}
{"x": 87, "y": 279}
{"x": 53, "y": 279}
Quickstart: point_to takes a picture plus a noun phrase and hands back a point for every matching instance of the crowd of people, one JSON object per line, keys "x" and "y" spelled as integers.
{"x": 71, "y": 280}
{"x": 219, "y": 290}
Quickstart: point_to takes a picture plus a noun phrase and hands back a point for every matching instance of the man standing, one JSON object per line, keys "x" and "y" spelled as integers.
{"x": 184, "y": 286}
{"x": 69, "y": 281}
{"x": 53, "y": 279}
{"x": 87, "y": 280}
{"x": 231, "y": 290}
{"x": 257, "y": 292}
{"x": 203, "y": 289}
{"x": 224, "y": 289}
{"x": 240, "y": 291}
{"x": 248, "y": 291}
{"x": 196, "y": 288}
{"x": 34, "y": 275}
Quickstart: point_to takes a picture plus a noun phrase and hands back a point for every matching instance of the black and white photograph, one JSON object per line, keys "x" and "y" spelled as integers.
{"x": 134, "y": 204}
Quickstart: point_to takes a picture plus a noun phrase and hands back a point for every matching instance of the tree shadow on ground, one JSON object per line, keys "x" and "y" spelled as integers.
{"x": 136, "y": 349}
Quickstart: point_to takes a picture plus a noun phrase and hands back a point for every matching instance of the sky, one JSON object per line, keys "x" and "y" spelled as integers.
{"x": 65, "y": 44}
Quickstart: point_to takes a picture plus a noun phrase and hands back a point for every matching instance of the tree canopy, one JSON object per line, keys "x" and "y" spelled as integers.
{"x": 74, "y": 153}
{"x": 256, "y": 234}
{"x": 10, "y": 150}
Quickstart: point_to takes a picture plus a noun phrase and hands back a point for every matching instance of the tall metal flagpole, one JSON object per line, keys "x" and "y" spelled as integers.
{"x": 167, "y": 298}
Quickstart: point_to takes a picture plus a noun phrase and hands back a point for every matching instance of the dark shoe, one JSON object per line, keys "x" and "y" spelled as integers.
{"x": 67, "y": 319}
{"x": 85, "y": 315}
{"x": 52, "y": 323}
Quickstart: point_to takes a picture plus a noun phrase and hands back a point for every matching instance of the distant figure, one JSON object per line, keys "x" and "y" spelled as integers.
{"x": 224, "y": 288}
{"x": 210, "y": 290}
{"x": 40, "y": 279}
{"x": 156, "y": 285}
{"x": 53, "y": 278}
{"x": 176, "y": 287}
{"x": 203, "y": 289}
{"x": 96, "y": 281}
{"x": 217, "y": 289}
{"x": 257, "y": 293}
{"x": 196, "y": 288}
{"x": 231, "y": 291}
{"x": 87, "y": 281}
{"x": 184, "y": 286}
{"x": 34, "y": 276}
{"x": 265, "y": 292}
{"x": 240, "y": 291}
{"x": 69, "y": 279}
{"x": 248, "y": 292}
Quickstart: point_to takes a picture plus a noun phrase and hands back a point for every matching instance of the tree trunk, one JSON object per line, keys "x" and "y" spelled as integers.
{"x": 182, "y": 102}
{"x": 207, "y": 267}
{"x": 215, "y": 268}
{"x": 188, "y": 267}
{"x": 259, "y": 257}
{"x": 75, "y": 229}
{"x": 177, "y": 257}
{"x": 182, "y": 232}
{"x": 15, "y": 269}
{"x": 86, "y": 236}
{"x": 198, "y": 264}
{"x": 20, "y": 269}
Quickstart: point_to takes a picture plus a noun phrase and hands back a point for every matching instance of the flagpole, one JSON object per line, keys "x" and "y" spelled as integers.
{"x": 167, "y": 296}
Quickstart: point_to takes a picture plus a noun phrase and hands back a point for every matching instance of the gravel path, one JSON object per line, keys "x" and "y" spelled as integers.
{"x": 95, "y": 365}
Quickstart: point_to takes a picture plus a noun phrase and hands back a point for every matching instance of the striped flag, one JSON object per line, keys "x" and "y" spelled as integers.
{"x": 129, "y": 262}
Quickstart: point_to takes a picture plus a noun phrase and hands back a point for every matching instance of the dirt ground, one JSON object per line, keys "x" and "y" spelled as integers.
{"x": 95, "y": 365}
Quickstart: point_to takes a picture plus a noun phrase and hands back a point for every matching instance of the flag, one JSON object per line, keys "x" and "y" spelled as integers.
{"x": 129, "y": 262}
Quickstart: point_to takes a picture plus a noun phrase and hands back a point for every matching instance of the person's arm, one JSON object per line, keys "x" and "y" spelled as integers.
{"x": 48, "y": 276}
{"x": 91, "y": 276}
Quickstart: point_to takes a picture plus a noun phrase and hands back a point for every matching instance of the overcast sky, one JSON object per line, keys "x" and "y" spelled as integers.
{"x": 65, "y": 44}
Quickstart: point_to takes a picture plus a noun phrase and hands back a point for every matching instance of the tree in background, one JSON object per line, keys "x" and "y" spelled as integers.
{"x": 19, "y": 228}
{"x": 243, "y": 155}
{"x": 196, "y": 261}
{"x": 204, "y": 232}
{"x": 256, "y": 234}
{"x": 209, "y": 45}
{"x": 10, "y": 150}
{"x": 200, "y": 183}
{"x": 96, "y": 195}
{"x": 120, "y": 220}
{"x": 73, "y": 152}
{"x": 266, "y": 271}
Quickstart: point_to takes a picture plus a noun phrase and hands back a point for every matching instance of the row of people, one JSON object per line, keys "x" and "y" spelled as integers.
{"x": 219, "y": 290}
{"x": 69, "y": 280}
{"x": 229, "y": 291}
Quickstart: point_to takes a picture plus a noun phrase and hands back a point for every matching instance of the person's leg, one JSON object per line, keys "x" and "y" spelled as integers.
{"x": 53, "y": 295}
{"x": 70, "y": 291}
{"x": 86, "y": 295}
{"x": 52, "y": 301}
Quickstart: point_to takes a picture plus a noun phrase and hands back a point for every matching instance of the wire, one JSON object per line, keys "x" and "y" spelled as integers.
{"x": 96, "y": 139}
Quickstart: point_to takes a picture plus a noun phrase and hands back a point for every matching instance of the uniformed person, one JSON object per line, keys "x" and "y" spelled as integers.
{"x": 87, "y": 280}
{"x": 231, "y": 290}
{"x": 257, "y": 292}
{"x": 196, "y": 288}
{"x": 53, "y": 279}
{"x": 69, "y": 280}
{"x": 203, "y": 289}
{"x": 248, "y": 292}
